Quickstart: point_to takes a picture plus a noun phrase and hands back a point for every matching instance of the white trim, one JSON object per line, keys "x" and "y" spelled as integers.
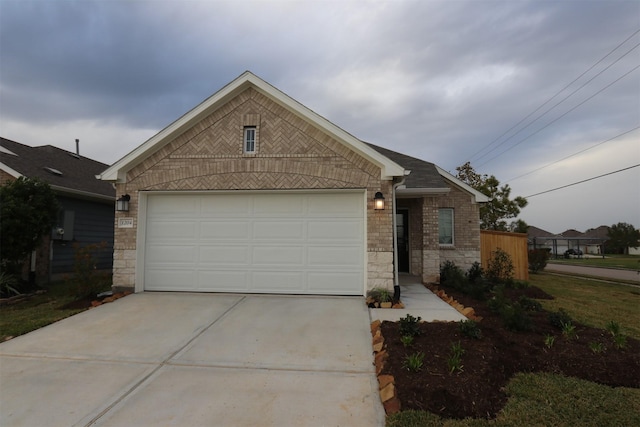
{"x": 117, "y": 171}
{"x": 14, "y": 173}
{"x": 480, "y": 198}
{"x": 83, "y": 194}
{"x": 245, "y": 140}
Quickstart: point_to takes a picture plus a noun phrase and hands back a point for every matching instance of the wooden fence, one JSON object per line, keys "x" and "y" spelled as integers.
{"x": 515, "y": 244}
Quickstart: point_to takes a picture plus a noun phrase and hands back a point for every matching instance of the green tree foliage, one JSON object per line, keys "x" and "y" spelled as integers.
{"x": 493, "y": 215}
{"x": 28, "y": 210}
{"x": 622, "y": 236}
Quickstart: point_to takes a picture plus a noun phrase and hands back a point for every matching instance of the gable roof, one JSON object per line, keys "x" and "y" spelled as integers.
{"x": 426, "y": 177}
{"x": 117, "y": 172}
{"x": 65, "y": 171}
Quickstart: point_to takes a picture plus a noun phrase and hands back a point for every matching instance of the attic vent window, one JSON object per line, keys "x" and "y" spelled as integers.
{"x": 53, "y": 171}
{"x": 249, "y": 139}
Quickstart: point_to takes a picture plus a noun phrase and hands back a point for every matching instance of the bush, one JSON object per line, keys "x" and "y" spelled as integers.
{"x": 529, "y": 304}
{"x": 500, "y": 267}
{"x": 452, "y": 275}
{"x": 515, "y": 318}
{"x": 475, "y": 273}
{"x": 470, "y": 329}
{"x": 409, "y": 326}
{"x": 559, "y": 318}
{"x": 538, "y": 259}
{"x": 85, "y": 268}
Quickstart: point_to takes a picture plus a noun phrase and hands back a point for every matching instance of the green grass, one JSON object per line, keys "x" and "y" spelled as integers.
{"x": 628, "y": 262}
{"x": 554, "y": 400}
{"x": 37, "y": 311}
{"x": 592, "y": 303}
{"x": 546, "y": 400}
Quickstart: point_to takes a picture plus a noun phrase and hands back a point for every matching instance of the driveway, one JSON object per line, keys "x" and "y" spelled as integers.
{"x": 179, "y": 359}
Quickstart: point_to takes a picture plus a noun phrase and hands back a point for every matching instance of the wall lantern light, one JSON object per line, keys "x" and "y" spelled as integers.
{"x": 122, "y": 204}
{"x": 378, "y": 201}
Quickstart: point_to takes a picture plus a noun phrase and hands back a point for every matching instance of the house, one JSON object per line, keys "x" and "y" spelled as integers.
{"x": 251, "y": 191}
{"x": 87, "y": 205}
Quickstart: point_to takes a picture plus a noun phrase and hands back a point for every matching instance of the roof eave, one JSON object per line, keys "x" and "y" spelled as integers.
{"x": 14, "y": 173}
{"x": 479, "y": 197}
{"x": 117, "y": 172}
{"x": 414, "y": 192}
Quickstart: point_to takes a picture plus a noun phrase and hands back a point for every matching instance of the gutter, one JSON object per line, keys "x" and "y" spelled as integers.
{"x": 396, "y": 278}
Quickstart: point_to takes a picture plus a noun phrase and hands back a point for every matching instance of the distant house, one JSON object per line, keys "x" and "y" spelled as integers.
{"x": 87, "y": 204}
{"x": 590, "y": 242}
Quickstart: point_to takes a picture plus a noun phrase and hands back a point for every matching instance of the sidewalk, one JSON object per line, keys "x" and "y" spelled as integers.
{"x": 418, "y": 301}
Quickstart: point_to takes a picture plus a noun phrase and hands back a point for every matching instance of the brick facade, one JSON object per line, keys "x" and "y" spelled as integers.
{"x": 290, "y": 154}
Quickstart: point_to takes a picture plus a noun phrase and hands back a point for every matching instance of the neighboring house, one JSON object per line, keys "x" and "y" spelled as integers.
{"x": 87, "y": 204}
{"x": 253, "y": 192}
{"x": 589, "y": 242}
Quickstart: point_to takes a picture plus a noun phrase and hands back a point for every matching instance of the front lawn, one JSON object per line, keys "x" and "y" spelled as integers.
{"x": 537, "y": 377}
{"x": 38, "y": 310}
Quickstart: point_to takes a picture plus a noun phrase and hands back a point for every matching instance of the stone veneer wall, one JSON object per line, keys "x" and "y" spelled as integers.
{"x": 290, "y": 154}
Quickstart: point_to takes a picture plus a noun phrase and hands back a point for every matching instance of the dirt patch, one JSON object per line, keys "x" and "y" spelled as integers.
{"x": 490, "y": 362}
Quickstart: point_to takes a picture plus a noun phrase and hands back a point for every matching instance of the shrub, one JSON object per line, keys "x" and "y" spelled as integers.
{"x": 470, "y": 329}
{"x": 597, "y": 347}
{"x": 475, "y": 273}
{"x": 454, "y": 362}
{"x": 452, "y": 275}
{"x": 500, "y": 267}
{"x": 406, "y": 340}
{"x": 569, "y": 330}
{"x": 549, "y": 340}
{"x": 529, "y": 304}
{"x": 85, "y": 268}
{"x": 559, "y": 318}
{"x": 409, "y": 326}
{"x": 380, "y": 294}
{"x": 8, "y": 285}
{"x": 538, "y": 259}
{"x": 515, "y": 318}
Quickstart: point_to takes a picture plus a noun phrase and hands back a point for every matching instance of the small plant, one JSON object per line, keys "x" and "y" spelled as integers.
{"x": 470, "y": 329}
{"x": 413, "y": 362}
{"x": 559, "y": 318}
{"x": 406, "y": 340}
{"x": 85, "y": 268}
{"x": 549, "y": 340}
{"x": 569, "y": 330}
{"x": 454, "y": 362}
{"x": 613, "y": 327}
{"x": 500, "y": 266}
{"x": 380, "y": 294}
{"x": 452, "y": 275}
{"x": 596, "y": 347}
{"x": 8, "y": 285}
{"x": 620, "y": 341}
{"x": 515, "y": 318}
{"x": 409, "y": 326}
{"x": 529, "y": 304}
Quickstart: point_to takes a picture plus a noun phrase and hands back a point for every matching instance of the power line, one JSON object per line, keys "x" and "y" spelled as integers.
{"x": 557, "y": 93}
{"x": 562, "y": 115}
{"x": 572, "y": 155}
{"x": 584, "y": 180}
{"x": 561, "y": 101}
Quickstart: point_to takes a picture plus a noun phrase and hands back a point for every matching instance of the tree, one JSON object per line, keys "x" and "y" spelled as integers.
{"x": 493, "y": 214}
{"x": 28, "y": 211}
{"x": 622, "y": 236}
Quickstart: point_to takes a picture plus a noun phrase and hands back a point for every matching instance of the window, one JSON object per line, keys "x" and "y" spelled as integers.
{"x": 445, "y": 226}
{"x": 250, "y": 139}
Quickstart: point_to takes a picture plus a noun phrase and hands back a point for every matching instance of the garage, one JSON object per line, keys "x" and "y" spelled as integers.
{"x": 255, "y": 242}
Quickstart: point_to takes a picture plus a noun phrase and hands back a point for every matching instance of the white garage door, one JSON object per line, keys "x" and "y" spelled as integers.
{"x": 297, "y": 243}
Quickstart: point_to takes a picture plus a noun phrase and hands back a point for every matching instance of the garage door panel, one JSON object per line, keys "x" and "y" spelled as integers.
{"x": 298, "y": 243}
{"x": 211, "y": 256}
{"x": 334, "y": 230}
{"x": 335, "y": 256}
{"x": 223, "y": 281}
{"x": 278, "y": 230}
{"x": 175, "y": 254}
{"x": 225, "y": 205}
{"x": 278, "y": 281}
{"x": 181, "y": 230}
{"x": 225, "y": 230}
{"x": 278, "y": 255}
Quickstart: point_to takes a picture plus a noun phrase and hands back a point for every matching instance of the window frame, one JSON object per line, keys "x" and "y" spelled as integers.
{"x": 440, "y": 226}
{"x": 246, "y": 141}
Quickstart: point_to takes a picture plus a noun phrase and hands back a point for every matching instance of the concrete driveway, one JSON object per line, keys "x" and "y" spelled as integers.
{"x": 173, "y": 359}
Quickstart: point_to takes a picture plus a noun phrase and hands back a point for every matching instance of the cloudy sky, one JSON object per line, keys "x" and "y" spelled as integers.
{"x": 541, "y": 94}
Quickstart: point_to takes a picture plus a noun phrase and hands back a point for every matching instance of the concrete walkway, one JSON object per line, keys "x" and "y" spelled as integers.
{"x": 180, "y": 359}
{"x": 605, "y": 273}
{"x": 418, "y": 301}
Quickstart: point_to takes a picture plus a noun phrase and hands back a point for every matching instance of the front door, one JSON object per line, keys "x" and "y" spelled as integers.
{"x": 402, "y": 232}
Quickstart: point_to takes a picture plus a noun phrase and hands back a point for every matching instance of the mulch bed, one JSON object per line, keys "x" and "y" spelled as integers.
{"x": 490, "y": 362}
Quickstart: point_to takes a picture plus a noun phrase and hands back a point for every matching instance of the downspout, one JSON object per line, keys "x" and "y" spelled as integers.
{"x": 396, "y": 278}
